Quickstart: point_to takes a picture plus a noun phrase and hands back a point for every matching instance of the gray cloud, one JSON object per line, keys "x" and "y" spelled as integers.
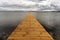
{"x": 37, "y": 5}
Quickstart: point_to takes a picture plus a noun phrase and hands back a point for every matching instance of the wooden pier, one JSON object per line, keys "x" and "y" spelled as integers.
{"x": 29, "y": 29}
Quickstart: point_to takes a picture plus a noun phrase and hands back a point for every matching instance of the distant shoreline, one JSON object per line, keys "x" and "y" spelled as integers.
{"x": 29, "y": 11}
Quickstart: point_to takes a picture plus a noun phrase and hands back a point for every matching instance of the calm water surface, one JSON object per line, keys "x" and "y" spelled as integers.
{"x": 9, "y": 20}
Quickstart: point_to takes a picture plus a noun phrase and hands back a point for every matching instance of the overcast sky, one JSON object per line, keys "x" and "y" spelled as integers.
{"x": 29, "y": 5}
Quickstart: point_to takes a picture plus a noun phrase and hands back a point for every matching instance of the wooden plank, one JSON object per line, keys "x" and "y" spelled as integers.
{"x": 29, "y": 29}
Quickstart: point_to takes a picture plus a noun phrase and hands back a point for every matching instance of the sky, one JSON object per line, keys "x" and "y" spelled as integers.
{"x": 29, "y": 5}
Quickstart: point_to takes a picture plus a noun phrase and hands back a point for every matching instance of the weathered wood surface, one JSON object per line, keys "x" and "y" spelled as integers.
{"x": 29, "y": 29}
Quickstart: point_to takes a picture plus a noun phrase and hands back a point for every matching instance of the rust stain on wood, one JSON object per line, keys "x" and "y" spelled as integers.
{"x": 29, "y": 29}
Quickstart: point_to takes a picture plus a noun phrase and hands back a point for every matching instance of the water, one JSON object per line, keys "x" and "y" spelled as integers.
{"x": 9, "y": 20}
